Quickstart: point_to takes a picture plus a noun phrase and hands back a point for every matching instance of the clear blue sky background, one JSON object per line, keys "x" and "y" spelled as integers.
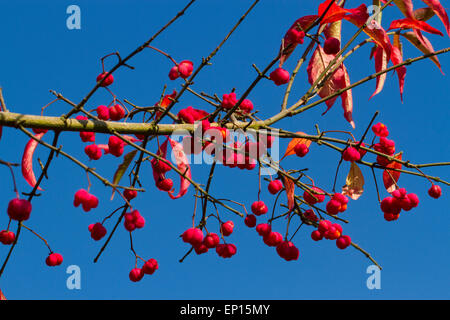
{"x": 39, "y": 53}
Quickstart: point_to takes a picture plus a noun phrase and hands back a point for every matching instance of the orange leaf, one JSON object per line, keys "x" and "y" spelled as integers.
{"x": 2, "y": 296}
{"x": 354, "y": 183}
{"x": 389, "y": 183}
{"x": 290, "y": 148}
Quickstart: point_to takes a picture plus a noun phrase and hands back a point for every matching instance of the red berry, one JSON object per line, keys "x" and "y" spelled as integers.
{"x": 185, "y": 68}
{"x": 97, "y": 230}
{"x": 7, "y": 237}
{"x": 226, "y": 250}
{"x": 250, "y": 221}
{"x": 136, "y": 274}
{"x": 87, "y": 136}
{"x": 333, "y": 207}
{"x": 414, "y": 199}
{"x": 324, "y": 225}
{"x": 343, "y": 242}
{"x": 332, "y": 46}
{"x": 380, "y": 130}
{"x": 150, "y": 266}
{"x": 103, "y": 113}
{"x": 310, "y": 215}
{"x": 227, "y": 228}
{"x": 259, "y": 208}
{"x": 246, "y": 106}
{"x": 116, "y": 112}
{"x": 435, "y": 191}
{"x": 263, "y": 229}
{"x": 130, "y": 194}
{"x": 93, "y": 152}
{"x": 288, "y": 251}
{"x": 351, "y": 154}
{"x": 109, "y": 79}
{"x": 295, "y": 36}
{"x": 201, "y": 249}
{"x": 211, "y": 240}
{"x": 38, "y": 130}
{"x": 165, "y": 185}
{"x": 301, "y": 150}
{"x": 173, "y": 73}
{"x": 280, "y": 76}
{"x": 275, "y": 186}
{"x": 160, "y": 166}
{"x": 313, "y": 195}
{"x": 316, "y": 235}
{"x": 229, "y": 100}
{"x": 19, "y": 209}
{"x": 54, "y": 259}
{"x": 193, "y": 236}
{"x": 273, "y": 239}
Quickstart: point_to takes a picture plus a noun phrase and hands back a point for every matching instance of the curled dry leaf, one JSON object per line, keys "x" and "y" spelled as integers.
{"x": 27, "y": 160}
{"x": 289, "y": 186}
{"x": 391, "y": 177}
{"x": 122, "y": 168}
{"x": 423, "y": 45}
{"x": 182, "y": 165}
{"x": 290, "y": 148}
{"x": 354, "y": 184}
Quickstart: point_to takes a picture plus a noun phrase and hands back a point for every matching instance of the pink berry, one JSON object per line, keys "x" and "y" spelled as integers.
{"x": 380, "y": 130}
{"x": 263, "y": 229}
{"x": 185, "y": 68}
{"x": 211, "y": 240}
{"x": 280, "y": 76}
{"x": 351, "y": 154}
{"x": 273, "y": 239}
{"x": 7, "y": 237}
{"x": 259, "y": 208}
{"x": 316, "y": 235}
{"x": 19, "y": 209}
{"x": 229, "y": 100}
{"x": 315, "y": 195}
{"x": 246, "y": 106}
{"x": 165, "y": 185}
{"x": 435, "y": 191}
{"x": 193, "y": 236}
{"x": 150, "y": 266}
{"x": 288, "y": 251}
{"x": 301, "y": 150}
{"x": 250, "y": 221}
{"x": 93, "y": 152}
{"x": 97, "y": 230}
{"x": 116, "y": 112}
{"x": 343, "y": 242}
{"x": 130, "y": 194}
{"x": 332, "y": 46}
{"x": 109, "y": 79}
{"x": 103, "y": 113}
{"x": 136, "y": 274}
{"x": 227, "y": 228}
{"x": 275, "y": 186}
{"x": 54, "y": 259}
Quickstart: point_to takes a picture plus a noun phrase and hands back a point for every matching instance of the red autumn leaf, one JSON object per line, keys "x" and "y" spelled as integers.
{"x": 334, "y": 13}
{"x": 165, "y": 102}
{"x": 389, "y": 175}
{"x": 381, "y": 62}
{"x": 287, "y": 46}
{"x": 436, "y": 6}
{"x": 162, "y": 152}
{"x": 409, "y": 23}
{"x": 339, "y": 80}
{"x": 293, "y": 143}
{"x": 182, "y": 165}
{"x": 406, "y": 7}
{"x": 397, "y": 58}
{"x": 426, "y": 49}
{"x": 2, "y": 296}
{"x": 289, "y": 185}
{"x": 359, "y": 16}
{"x": 27, "y": 161}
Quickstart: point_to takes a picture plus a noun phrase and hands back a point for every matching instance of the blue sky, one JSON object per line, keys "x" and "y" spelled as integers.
{"x": 40, "y": 54}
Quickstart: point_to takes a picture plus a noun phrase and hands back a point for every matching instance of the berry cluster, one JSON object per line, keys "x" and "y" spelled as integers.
{"x": 133, "y": 220}
{"x": 183, "y": 69}
{"x": 149, "y": 267}
{"x": 392, "y": 206}
{"x": 331, "y": 231}
{"x": 97, "y": 230}
{"x": 337, "y": 204}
